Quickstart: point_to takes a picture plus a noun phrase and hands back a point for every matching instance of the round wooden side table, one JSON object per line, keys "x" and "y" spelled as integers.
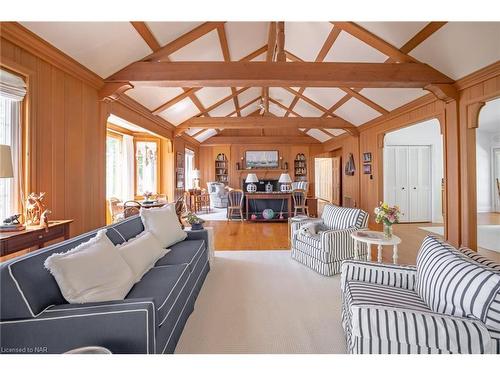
{"x": 371, "y": 237}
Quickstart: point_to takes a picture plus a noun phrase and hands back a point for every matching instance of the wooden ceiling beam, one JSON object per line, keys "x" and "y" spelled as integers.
{"x": 266, "y": 139}
{"x": 263, "y": 122}
{"x": 182, "y": 41}
{"x": 281, "y": 105}
{"x": 271, "y": 46}
{"x": 421, "y": 36}
{"x": 374, "y": 41}
{"x": 221, "y": 31}
{"x": 146, "y": 35}
{"x": 245, "y": 105}
{"x": 364, "y": 99}
{"x": 327, "y": 45}
{"x": 280, "y": 42}
{"x": 277, "y": 74}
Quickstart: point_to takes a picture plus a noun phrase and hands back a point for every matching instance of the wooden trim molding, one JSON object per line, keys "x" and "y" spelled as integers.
{"x": 22, "y": 37}
{"x": 473, "y": 111}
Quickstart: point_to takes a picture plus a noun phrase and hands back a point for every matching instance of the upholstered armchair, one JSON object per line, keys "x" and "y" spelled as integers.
{"x": 218, "y": 194}
{"x": 448, "y": 303}
{"x": 325, "y": 250}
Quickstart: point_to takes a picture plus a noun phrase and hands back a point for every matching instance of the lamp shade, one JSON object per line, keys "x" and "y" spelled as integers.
{"x": 6, "y": 170}
{"x": 251, "y": 178}
{"x": 285, "y": 178}
{"x": 196, "y": 173}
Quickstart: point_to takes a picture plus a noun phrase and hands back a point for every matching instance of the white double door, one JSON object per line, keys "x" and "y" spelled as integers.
{"x": 408, "y": 181}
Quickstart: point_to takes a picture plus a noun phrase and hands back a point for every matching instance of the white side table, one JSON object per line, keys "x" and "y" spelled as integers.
{"x": 371, "y": 237}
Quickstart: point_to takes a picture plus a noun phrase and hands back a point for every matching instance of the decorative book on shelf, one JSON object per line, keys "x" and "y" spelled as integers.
{"x": 222, "y": 169}
{"x": 300, "y": 167}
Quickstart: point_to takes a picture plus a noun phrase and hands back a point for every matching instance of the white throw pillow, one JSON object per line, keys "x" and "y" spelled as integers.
{"x": 94, "y": 271}
{"x": 164, "y": 224}
{"x": 141, "y": 253}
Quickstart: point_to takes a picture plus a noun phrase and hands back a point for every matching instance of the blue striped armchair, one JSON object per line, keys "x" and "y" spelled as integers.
{"x": 448, "y": 303}
{"x": 324, "y": 252}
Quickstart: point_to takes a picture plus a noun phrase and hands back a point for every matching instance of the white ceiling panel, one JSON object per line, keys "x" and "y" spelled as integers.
{"x": 392, "y": 98}
{"x": 350, "y": 49}
{"x": 276, "y": 110}
{"x": 324, "y": 96}
{"x": 206, "y": 48}
{"x": 395, "y": 33}
{"x": 283, "y": 96}
{"x": 460, "y": 48}
{"x": 211, "y": 95}
{"x": 305, "y": 39}
{"x": 223, "y": 110}
{"x": 103, "y": 47}
{"x": 153, "y": 97}
{"x": 245, "y": 37}
{"x": 166, "y": 32}
{"x": 251, "y": 108}
{"x": 248, "y": 95}
{"x": 356, "y": 112}
{"x": 306, "y": 110}
{"x": 205, "y": 135}
{"x": 335, "y": 132}
{"x": 319, "y": 135}
{"x": 180, "y": 112}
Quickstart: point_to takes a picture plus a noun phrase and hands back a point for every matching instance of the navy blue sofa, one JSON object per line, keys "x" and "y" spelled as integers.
{"x": 35, "y": 317}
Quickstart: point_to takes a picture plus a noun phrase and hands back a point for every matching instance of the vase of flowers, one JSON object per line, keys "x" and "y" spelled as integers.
{"x": 195, "y": 221}
{"x": 387, "y": 215}
{"x": 148, "y": 196}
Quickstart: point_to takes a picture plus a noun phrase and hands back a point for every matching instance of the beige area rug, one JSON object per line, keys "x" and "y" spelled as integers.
{"x": 264, "y": 302}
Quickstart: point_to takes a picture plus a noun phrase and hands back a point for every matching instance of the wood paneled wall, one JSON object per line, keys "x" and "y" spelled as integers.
{"x": 235, "y": 152}
{"x": 65, "y": 139}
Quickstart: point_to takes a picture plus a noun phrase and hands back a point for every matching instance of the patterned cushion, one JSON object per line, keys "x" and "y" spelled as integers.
{"x": 359, "y": 292}
{"x": 454, "y": 284}
{"x": 493, "y": 315}
{"x": 336, "y": 217}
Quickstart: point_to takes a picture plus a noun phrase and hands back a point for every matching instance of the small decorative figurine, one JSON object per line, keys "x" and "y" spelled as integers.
{"x": 12, "y": 220}
{"x": 34, "y": 208}
{"x": 44, "y": 220}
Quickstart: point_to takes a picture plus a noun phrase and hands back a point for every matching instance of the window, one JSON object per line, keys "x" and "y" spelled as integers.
{"x": 147, "y": 168}
{"x": 114, "y": 165}
{"x": 189, "y": 161}
{"x": 12, "y": 92}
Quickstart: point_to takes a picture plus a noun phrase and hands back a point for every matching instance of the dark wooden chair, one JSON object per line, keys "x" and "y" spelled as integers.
{"x": 235, "y": 203}
{"x": 300, "y": 202}
{"x": 131, "y": 208}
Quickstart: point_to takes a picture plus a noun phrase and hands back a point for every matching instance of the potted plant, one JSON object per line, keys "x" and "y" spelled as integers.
{"x": 387, "y": 215}
{"x": 195, "y": 221}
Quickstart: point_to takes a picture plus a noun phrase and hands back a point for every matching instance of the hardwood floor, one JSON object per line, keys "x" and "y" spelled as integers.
{"x": 235, "y": 235}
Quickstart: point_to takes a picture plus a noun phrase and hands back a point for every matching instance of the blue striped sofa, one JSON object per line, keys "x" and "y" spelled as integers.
{"x": 35, "y": 318}
{"x": 448, "y": 303}
{"x": 325, "y": 251}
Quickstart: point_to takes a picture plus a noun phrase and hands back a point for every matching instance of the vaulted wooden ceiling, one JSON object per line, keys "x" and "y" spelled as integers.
{"x": 299, "y": 79}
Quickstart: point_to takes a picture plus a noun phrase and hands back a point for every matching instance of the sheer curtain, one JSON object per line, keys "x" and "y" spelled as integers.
{"x": 12, "y": 92}
{"x": 128, "y": 166}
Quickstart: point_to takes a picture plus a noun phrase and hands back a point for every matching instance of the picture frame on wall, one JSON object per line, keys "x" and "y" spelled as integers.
{"x": 367, "y": 157}
{"x": 367, "y": 168}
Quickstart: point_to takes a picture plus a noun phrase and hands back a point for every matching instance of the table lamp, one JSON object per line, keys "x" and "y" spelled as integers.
{"x": 285, "y": 182}
{"x": 251, "y": 180}
{"x": 196, "y": 178}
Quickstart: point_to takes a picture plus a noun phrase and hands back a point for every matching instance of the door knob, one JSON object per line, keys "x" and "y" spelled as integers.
{"x": 414, "y": 188}
{"x": 402, "y": 188}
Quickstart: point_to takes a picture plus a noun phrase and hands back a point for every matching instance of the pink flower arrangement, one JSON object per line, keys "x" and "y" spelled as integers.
{"x": 387, "y": 214}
